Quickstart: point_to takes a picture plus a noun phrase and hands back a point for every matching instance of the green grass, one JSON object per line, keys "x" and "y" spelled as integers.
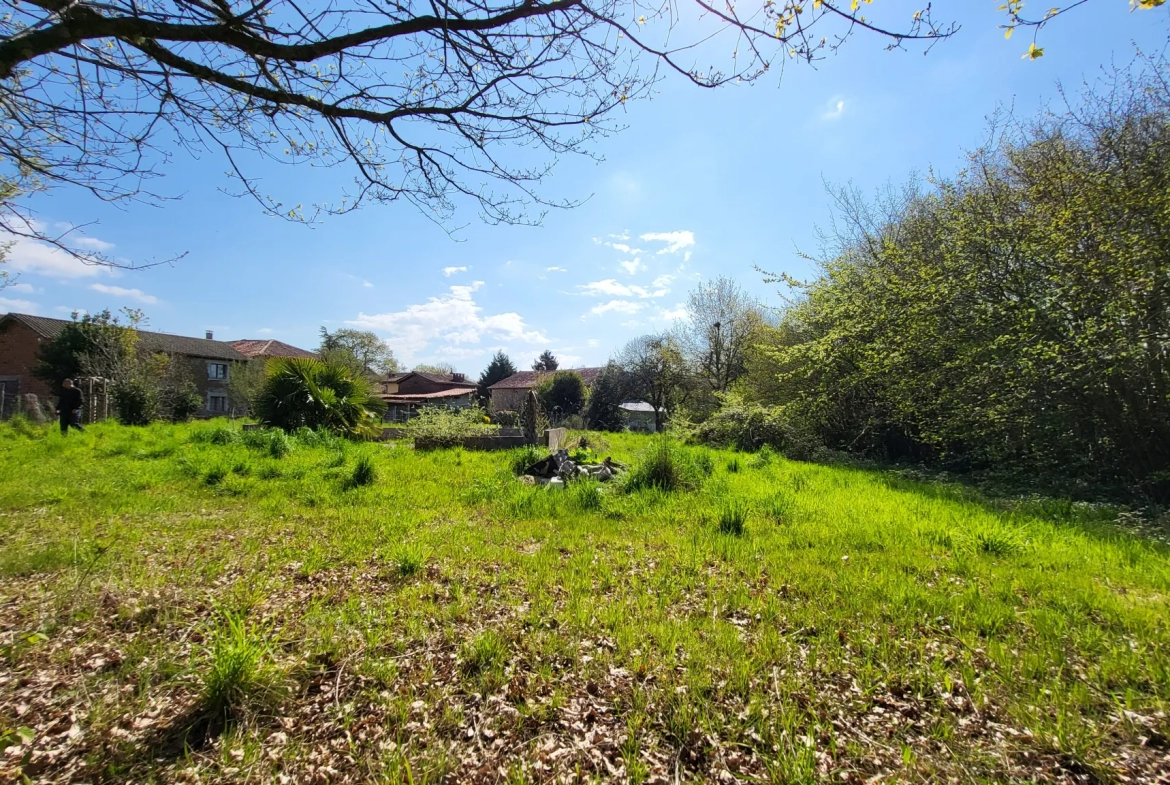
{"x": 779, "y": 621}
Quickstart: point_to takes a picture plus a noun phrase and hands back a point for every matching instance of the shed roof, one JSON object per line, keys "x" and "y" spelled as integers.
{"x": 526, "y": 380}
{"x": 50, "y": 328}
{"x": 637, "y": 406}
{"x": 420, "y": 397}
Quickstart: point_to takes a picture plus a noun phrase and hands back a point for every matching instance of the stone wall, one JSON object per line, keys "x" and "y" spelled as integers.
{"x": 508, "y": 400}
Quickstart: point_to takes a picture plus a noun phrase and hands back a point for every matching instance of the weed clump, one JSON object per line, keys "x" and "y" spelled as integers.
{"x": 733, "y": 517}
{"x": 239, "y": 673}
{"x": 524, "y": 457}
{"x": 764, "y": 457}
{"x": 483, "y": 653}
{"x": 668, "y": 466}
{"x": 733, "y": 466}
{"x": 408, "y": 560}
{"x": 364, "y": 473}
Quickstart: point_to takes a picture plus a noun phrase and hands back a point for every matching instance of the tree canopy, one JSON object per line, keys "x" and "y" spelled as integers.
{"x": 562, "y": 395}
{"x": 547, "y": 361}
{"x": 358, "y": 349}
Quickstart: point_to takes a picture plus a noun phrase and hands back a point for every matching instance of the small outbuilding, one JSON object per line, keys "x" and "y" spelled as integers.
{"x": 640, "y": 416}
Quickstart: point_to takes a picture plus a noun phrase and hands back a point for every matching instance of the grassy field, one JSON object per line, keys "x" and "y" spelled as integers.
{"x": 178, "y": 604}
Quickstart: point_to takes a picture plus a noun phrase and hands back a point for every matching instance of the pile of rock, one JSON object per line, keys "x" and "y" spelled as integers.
{"x": 558, "y": 468}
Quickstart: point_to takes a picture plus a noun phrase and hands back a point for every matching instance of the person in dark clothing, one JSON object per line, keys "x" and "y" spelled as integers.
{"x": 69, "y": 407}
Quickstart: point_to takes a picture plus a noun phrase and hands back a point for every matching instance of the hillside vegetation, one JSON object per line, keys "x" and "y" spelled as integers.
{"x": 190, "y": 603}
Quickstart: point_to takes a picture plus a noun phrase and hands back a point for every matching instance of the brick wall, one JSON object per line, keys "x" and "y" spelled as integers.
{"x": 18, "y": 357}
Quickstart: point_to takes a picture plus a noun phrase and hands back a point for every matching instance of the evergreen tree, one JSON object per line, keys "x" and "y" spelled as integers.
{"x": 547, "y": 361}
{"x": 498, "y": 369}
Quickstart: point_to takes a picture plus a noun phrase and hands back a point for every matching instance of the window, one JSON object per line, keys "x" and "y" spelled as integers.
{"x": 217, "y": 403}
{"x": 217, "y": 371}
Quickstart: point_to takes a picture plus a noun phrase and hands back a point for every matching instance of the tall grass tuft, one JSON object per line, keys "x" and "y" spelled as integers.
{"x": 733, "y": 465}
{"x": 668, "y": 466}
{"x": 764, "y": 457}
{"x": 524, "y": 457}
{"x": 364, "y": 473}
{"x": 733, "y": 516}
{"x": 483, "y": 653}
{"x": 239, "y": 672}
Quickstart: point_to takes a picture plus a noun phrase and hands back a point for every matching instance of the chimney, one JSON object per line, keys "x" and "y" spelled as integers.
{"x": 458, "y": 377}
{"x": 210, "y": 335}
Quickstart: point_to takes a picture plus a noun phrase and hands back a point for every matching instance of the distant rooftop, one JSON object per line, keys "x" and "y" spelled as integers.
{"x": 524, "y": 380}
{"x": 268, "y": 348}
{"x": 50, "y": 328}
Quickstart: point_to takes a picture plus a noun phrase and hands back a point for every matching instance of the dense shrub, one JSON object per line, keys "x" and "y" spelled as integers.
{"x": 444, "y": 427}
{"x": 562, "y": 395}
{"x": 184, "y": 402}
{"x": 135, "y": 401}
{"x": 752, "y": 426}
{"x": 303, "y": 392}
{"x": 1013, "y": 317}
{"x": 506, "y": 419}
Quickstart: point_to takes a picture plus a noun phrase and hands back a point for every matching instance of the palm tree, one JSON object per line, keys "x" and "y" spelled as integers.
{"x": 305, "y": 392}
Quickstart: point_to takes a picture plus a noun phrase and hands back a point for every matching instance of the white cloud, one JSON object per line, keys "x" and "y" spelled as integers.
{"x": 17, "y": 306}
{"x": 834, "y": 108}
{"x": 592, "y": 343}
{"x": 449, "y": 271}
{"x": 367, "y": 285}
{"x": 674, "y": 314}
{"x": 20, "y": 287}
{"x": 30, "y": 256}
{"x": 92, "y": 244}
{"x": 265, "y": 331}
{"x": 555, "y": 269}
{"x": 118, "y": 291}
{"x": 612, "y": 288}
{"x": 633, "y": 266}
{"x": 617, "y": 306}
{"x": 451, "y": 319}
{"x": 662, "y": 281}
{"x": 675, "y": 241}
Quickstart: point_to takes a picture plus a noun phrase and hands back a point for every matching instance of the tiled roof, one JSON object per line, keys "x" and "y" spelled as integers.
{"x": 445, "y": 378}
{"x": 414, "y": 397}
{"x": 268, "y": 348}
{"x": 153, "y": 342}
{"x": 526, "y": 380}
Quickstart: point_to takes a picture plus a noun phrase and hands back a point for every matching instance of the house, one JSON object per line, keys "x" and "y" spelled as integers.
{"x": 264, "y": 349}
{"x": 21, "y": 335}
{"x": 640, "y": 416}
{"x": 508, "y": 394}
{"x": 406, "y": 393}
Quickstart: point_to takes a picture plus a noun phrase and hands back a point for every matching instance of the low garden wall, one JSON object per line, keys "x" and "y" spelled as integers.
{"x": 472, "y": 443}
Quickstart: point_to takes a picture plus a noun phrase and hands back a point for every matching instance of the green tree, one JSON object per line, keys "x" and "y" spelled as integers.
{"x": 547, "y": 361}
{"x": 608, "y": 393}
{"x": 1016, "y": 315}
{"x": 244, "y": 383}
{"x": 562, "y": 395}
{"x": 359, "y": 350}
{"x": 657, "y": 372}
{"x": 304, "y": 392}
{"x": 438, "y": 369}
{"x": 101, "y": 344}
{"x": 497, "y": 370}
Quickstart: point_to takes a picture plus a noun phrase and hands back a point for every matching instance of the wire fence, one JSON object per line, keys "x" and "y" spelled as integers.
{"x": 43, "y": 408}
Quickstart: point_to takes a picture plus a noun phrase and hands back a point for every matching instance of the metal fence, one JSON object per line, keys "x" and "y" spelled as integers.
{"x": 40, "y": 408}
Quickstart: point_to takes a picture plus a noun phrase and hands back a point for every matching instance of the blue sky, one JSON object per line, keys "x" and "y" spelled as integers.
{"x": 702, "y": 183}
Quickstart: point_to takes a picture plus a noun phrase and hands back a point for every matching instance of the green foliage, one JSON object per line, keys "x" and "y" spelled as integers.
{"x": 101, "y": 338}
{"x": 610, "y": 390}
{"x": 184, "y": 403}
{"x": 307, "y": 393}
{"x": 547, "y": 361}
{"x": 667, "y": 466}
{"x": 562, "y": 395}
{"x": 136, "y": 401}
{"x": 360, "y": 351}
{"x": 751, "y": 426}
{"x": 1015, "y": 316}
{"x": 506, "y": 419}
{"x": 445, "y": 427}
{"x": 523, "y": 457}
